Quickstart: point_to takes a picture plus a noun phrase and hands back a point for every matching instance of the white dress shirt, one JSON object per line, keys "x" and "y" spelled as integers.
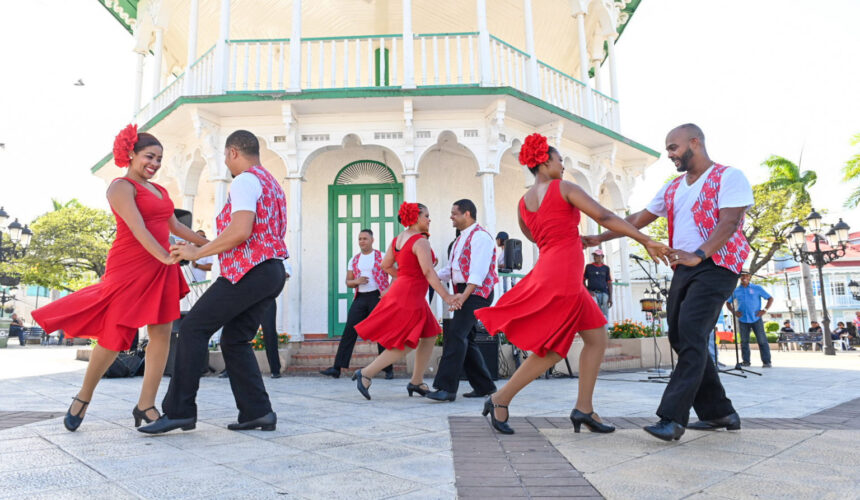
{"x": 482, "y": 256}
{"x": 366, "y": 262}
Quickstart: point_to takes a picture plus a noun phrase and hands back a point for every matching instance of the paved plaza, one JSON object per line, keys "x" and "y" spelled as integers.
{"x": 800, "y": 439}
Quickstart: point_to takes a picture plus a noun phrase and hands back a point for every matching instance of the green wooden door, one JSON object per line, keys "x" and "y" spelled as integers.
{"x": 353, "y": 207}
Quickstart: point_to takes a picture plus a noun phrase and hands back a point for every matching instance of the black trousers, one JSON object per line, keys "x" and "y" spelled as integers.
{"x": 360, "y": 309}
{"x": 696, "y": 296}
{"x": 461, "y": 353}
{"x": 270, "y": 337}
{"x": 239, "y": 309}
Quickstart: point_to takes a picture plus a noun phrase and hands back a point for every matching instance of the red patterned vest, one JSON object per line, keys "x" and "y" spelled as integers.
{"x": 267, "y": 238}
{"x": 465, "y": 261}
{"x": 706, "y": 213}
{"x": 379, "y": 275}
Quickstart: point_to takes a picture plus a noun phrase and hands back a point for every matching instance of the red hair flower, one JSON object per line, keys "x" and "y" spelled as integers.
{"x": 123, "y": 145}
{"x": 535, "y": 151}
{"x": 408, "y": 213}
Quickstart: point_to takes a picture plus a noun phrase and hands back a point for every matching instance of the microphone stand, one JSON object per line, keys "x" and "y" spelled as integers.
{"x": 665, "y": 293}
{"x": 738, "y": 366}
{"x": 727, "y": 371}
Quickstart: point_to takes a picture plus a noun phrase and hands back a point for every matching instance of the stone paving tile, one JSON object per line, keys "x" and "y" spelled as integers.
{"x": 27, "y": 482}
{"x": 354, "y": 484}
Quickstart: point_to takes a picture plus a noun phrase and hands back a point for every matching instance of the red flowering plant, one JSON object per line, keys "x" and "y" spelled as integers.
{"x": 534, "y": 151}
{"x": 408, "y": 213}
{"x": 629, "y": 329}
{"x": 123, "y": 145}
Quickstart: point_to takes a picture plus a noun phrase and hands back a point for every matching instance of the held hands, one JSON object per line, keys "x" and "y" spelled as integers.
{"x": 659, "y": 252}
{"x": 182, "y": 251}
{"x": 169, "y": 259}
{"x": 454, "y": 301}
{"x": 680, "y": 257}
{"x": 589, "y": 240}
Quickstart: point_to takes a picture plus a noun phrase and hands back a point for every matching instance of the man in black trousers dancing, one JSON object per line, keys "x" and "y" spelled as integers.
{"x": 705, "y": 210}
{"x": 251, "y": 249}
{"x": 472, "y": 269}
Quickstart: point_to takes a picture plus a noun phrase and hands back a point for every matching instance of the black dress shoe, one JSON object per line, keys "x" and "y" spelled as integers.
{"x": 499, "y": 425}
{"x": 165, "y": 424}
{"x": 331, "y": 372}
{"x": 476, "y": 394}
{"x": 276, "y": 375}
{"x": 389, "y": 375}
{"x": 441, "y": 395}
{"x": 666, "y": 430}
{"x": 730, "y": 422}
{"x": 577, "y": 418}
{"x": 266, "y": 423}
{"x": 72, "y": 422}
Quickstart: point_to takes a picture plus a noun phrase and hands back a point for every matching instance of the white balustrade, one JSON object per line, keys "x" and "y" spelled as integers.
{"x": 441, "y": 59}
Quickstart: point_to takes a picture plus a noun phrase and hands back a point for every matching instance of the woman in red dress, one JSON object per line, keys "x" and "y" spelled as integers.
{"x": 141, "y": 286}
{"x": 544, "y": 311}
{"x": 402, "y": 320}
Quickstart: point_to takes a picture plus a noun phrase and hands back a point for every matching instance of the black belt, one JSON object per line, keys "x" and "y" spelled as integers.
{"x": 368, "y": 293}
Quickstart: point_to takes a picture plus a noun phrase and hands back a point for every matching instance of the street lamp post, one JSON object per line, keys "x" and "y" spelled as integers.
{"x": 18, "y": 238}
{"x": 855, "y": 289}
{"x": 837, "y": 237}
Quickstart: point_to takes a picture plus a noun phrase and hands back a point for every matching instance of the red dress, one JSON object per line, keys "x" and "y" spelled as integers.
{"x": 544, "y": 310}
{"x": 403, "y": 315}
{"x": 136, "y": 290}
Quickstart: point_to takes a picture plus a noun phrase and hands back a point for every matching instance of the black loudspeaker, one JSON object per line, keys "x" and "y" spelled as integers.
{"x": 513, "y": 254}
{"x": 184, "y": 216}
{"x": 489, "y": 347}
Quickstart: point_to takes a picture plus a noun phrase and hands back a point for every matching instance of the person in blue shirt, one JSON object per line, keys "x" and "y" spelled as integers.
{"x": 745, "y": 304}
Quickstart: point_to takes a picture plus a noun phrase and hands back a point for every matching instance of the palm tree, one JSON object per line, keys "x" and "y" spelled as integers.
{"x": 785, "y": 174}
{"x": 58, "y": 205}
{"x": 851, "y": 172}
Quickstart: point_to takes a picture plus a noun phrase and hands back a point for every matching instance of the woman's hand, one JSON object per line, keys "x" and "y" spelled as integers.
{"x": 169, "y": 259}
{"x": 658, "y": 251}
{"x": 452, "y": 301}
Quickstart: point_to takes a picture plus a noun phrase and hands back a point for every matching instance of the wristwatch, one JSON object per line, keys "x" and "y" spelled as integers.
{"x": 700, "y": 254}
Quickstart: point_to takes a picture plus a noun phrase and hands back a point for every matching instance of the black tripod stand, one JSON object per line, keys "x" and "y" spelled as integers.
{"x": 728, "y": 371}
{"x": 738, "y": 366}
{"x": 665, "y": 293}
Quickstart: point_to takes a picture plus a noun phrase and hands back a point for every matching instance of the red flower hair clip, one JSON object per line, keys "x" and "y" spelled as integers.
{"x": 123, "y": 145}
{"x": 408, "y": 213}
{"x": 535, "y": 151}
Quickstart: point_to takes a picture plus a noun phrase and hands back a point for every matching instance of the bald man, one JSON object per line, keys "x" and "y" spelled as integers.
{"x": 705, "y": 209}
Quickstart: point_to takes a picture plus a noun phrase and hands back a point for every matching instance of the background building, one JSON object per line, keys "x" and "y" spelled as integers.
{"x": 360, "y": 104}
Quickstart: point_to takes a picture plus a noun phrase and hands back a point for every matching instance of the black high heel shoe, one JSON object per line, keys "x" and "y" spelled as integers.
{"x": 421, "y": 389}
{"x": 577, "y": 418}
{"x": 500, "y": 426}
{"x": 72, "y": 422}
{"x": 359, "y": 378}
{"x": 140, "y": 415}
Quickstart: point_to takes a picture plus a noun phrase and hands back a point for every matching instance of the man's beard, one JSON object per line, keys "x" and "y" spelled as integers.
{"x": 684, "y": 161}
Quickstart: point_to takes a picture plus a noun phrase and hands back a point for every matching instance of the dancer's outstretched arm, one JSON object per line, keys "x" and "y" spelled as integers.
{"x": 577, "y": 197}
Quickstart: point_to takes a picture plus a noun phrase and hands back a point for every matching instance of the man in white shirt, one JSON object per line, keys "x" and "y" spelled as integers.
{"x": 201, "y": 267}
{"x": 705, "y": 210}
{"x": 362, "y": 273}
{"x": 472, "y": 270}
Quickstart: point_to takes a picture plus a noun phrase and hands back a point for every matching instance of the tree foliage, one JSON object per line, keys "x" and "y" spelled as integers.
{"x": 69, "y": 248}
{"x": 785, "y": 175}
{"x": 769, "y": 221}
{"x": 851, "y": 173}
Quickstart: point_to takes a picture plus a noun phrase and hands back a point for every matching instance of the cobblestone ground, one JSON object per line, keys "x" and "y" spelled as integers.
{"x": 800, "y": 439}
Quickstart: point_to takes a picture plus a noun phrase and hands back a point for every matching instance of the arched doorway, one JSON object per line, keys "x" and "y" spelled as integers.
{"x": 365, "y": 194}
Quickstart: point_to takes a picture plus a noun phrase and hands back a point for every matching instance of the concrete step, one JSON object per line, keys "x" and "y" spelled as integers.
{"x": 330, "y": 347}
{"x": 620, "y": 362}
{"x": 316, "y": 336}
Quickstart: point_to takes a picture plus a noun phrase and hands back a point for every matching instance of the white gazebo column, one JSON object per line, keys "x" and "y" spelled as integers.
{"x": 296, "y": 50}
{"x": 222, "y": 59}
{"x": 188, "y": 202}
{"x": 583, "y": 65}
{"x": 410, "y": 186}
{"x": 294, "y": 246}
{"x": 484, "y": 45}
{"x": 408, "y": 47}
{"x": 613, "y": 80}
{"x": 157, "y": 56}
{"x": 138, "y": 82}
{"x": 488, "y": 182}
{"x": 596, "y": 60}
{"x": 532, "y": 81}
{"x": 626, "y": 300}
{"x": 191, "y": 55}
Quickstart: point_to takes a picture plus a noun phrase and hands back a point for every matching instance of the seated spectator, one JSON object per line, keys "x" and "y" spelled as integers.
{"x": 16, "y": 327}
{"x": 840, "y": 333}
{"x": 814, "y": 327}
{"x": 786, "y": 328}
